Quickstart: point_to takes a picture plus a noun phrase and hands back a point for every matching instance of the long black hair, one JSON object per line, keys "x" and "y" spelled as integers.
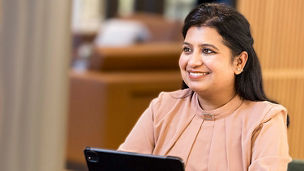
{"x": 235, "y": 31}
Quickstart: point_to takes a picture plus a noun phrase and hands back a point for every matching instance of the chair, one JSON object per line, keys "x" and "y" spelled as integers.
{"x": 296, "y": 165}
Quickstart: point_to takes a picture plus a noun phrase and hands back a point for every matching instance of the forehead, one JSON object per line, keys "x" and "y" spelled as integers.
{"x": 203, "y": 35}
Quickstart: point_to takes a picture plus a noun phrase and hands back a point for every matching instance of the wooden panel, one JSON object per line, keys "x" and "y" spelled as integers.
{"x": 105, "y": 106}
{"x": 277, "y": 29}
{"x": 146, "y": 56}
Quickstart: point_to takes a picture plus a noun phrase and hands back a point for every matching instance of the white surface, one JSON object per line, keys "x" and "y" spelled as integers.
{"x": 117, "y": 32}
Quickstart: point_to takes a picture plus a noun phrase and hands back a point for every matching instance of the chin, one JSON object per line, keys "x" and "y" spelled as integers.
{"x": 197, "y": 88}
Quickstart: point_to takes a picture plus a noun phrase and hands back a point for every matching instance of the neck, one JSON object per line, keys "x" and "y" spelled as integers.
{"x": 211, "y": 102}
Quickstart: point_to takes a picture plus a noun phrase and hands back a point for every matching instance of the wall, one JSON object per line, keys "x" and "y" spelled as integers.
{"x": 279, "y": 41}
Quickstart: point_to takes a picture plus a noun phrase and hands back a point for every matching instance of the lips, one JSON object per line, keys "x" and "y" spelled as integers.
{"x": 197, "y": 75}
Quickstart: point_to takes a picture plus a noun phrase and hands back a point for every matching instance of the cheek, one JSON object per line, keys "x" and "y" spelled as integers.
{"x": 218, "y": 65}
{"x": 211, "y": 63}
{"x": 182, "y": 62}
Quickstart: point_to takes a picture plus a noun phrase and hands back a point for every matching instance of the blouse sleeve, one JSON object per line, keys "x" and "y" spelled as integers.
{"x": 141, "y": 137}
{"x": 270, "y": 144}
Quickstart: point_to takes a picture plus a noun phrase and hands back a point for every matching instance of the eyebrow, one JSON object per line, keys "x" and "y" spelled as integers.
{"x": 203, "y": 45}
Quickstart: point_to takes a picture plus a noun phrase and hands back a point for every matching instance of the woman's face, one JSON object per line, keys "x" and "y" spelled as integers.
{"x": 206, "y": 63}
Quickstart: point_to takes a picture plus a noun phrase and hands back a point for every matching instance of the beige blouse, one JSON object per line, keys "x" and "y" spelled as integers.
{"x": 241, "y": 135}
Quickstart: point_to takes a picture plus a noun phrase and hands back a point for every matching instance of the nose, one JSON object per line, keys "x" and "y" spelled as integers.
{"x": 195, "y": 60}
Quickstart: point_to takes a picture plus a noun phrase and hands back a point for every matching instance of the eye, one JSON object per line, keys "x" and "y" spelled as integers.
{"x": 208, "y": 51}
{"x": 186, "y": 49}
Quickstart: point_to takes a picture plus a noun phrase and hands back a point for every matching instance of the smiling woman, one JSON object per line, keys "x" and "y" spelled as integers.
{"x": 223, "y": 121}
{"x": 207, "y": 68}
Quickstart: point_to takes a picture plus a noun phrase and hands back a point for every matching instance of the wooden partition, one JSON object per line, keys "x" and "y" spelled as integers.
{"x": 277, "y": 27}
{"x": 104, "y": 106}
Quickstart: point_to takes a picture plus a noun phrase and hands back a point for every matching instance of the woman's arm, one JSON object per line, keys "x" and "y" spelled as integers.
{"x": 141, "y": 137}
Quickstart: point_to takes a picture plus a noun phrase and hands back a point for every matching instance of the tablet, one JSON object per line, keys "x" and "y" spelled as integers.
{"x": 110, "y": 160}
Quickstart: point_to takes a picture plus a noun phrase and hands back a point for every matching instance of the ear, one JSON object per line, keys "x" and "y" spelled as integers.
{"x": 239, "y": 62}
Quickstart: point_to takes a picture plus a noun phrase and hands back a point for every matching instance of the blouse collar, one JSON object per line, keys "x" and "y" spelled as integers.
{"x": 217, "y": 113}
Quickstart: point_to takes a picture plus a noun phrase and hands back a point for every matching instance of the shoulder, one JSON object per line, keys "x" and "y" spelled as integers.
{"x": 256, "y": 113}
{"x": 173, "y": 96}
{"x": 265, "y": 109}
{"x": 178, "y": 94}
{"x": 168, "y": 101}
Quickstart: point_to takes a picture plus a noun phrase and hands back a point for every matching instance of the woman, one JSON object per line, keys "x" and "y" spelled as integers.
{"x": 223, "y": 121}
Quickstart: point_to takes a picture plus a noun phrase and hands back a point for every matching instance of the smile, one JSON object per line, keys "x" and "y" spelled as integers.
{"x": 197, "y": 75}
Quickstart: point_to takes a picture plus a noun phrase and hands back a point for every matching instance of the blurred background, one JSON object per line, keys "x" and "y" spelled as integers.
{"x": 79, "y": 73}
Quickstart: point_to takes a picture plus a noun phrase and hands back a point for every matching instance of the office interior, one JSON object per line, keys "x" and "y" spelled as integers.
{"x": 67, "y": 80}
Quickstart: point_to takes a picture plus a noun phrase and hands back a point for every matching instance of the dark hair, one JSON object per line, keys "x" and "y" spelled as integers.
{"x": 235, "y": 31}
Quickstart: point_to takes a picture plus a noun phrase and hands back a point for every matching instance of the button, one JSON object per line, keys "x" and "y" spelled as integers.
{"x": 208, "y": 117}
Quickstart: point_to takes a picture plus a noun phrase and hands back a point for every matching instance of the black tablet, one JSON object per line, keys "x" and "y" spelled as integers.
{"x": 111, "y": 160}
